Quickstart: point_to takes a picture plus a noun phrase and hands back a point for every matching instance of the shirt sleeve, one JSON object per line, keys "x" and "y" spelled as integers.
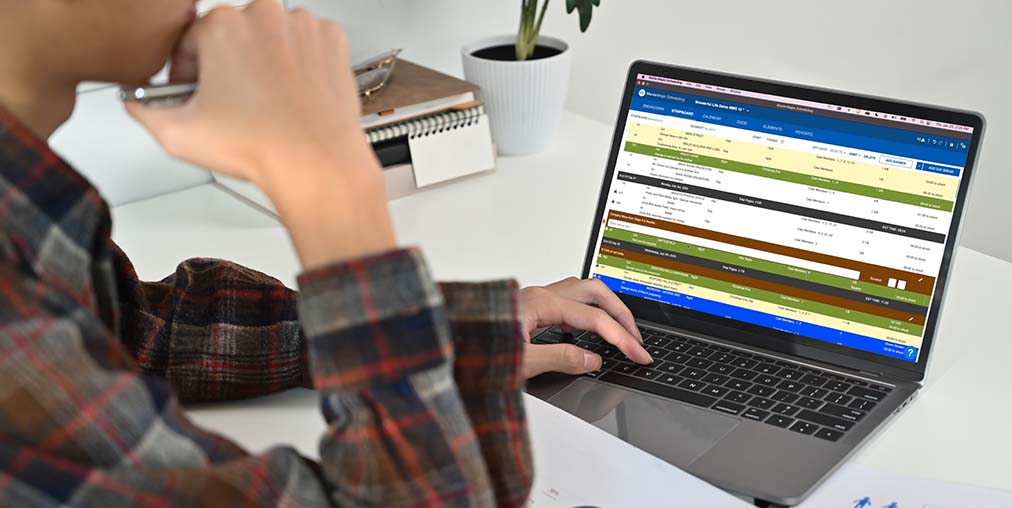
{"x": 80, "y": 425}
{"x": 489, "y": 345}
{"x": 214, "y": 330}
{"x": 381, "y": 352}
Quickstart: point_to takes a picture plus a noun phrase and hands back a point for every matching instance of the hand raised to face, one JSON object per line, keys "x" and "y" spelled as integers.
{"x": 277, "y": 104}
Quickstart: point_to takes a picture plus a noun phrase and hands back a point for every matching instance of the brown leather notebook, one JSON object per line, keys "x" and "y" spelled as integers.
{"x": 412, "y": 84}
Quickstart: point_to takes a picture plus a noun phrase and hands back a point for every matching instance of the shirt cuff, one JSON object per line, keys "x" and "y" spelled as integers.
{"x": 487, "y": 336}
{"x": 375, "y": 320}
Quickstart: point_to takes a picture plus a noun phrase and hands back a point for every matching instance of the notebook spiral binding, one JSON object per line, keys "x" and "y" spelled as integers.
{"x": 426, "y": 126}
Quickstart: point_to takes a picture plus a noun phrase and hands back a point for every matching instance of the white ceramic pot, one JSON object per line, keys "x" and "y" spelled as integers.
{"x": 523, "y": 99}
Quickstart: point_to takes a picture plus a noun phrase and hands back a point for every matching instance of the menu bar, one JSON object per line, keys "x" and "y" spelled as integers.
{"x": 809, "y": 104}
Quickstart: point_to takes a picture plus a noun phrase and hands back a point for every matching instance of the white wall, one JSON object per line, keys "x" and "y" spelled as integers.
{"x": 429, "y": 31}
{"x": 956, "y": 54}
{"x": 116, "y": 154}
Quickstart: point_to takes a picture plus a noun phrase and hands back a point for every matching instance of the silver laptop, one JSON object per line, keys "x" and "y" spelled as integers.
{"x": 785, "y": 250}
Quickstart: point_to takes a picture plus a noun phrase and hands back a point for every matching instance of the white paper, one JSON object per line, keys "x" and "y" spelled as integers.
{"x": 579, "y": 465}
{"x": 452, "y": 153}
{"x": 858, "y": 486}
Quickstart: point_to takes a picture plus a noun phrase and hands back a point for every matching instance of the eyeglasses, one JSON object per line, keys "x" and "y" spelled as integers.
{"x": 373, "y": 74}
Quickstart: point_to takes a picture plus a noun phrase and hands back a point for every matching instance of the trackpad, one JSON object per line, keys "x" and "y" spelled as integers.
{"x": 678, "y": 433}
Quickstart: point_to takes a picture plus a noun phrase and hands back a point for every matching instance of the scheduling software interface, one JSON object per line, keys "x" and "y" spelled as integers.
{"x": 814, "y": 219}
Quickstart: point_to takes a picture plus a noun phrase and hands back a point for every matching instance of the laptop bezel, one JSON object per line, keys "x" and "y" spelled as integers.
{"x": 766, "y": 338}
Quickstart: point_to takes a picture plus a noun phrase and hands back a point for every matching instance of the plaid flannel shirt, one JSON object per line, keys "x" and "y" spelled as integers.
{"x": 419, "y": 384}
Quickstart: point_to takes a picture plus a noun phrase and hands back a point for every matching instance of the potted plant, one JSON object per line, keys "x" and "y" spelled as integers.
{"x": 523, "y": 78}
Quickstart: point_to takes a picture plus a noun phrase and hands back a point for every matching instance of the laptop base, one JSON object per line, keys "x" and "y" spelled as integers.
{"x": 744, "y": 456}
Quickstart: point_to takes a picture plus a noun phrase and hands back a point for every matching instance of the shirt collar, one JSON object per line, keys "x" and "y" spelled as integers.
{"x": 49, "y": 212}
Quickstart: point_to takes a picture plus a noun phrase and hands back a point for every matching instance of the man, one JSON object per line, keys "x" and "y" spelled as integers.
{"x": 419, "y": 383}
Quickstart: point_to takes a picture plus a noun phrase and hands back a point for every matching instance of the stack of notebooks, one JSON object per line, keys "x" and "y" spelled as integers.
{"x": 426, "y": 128}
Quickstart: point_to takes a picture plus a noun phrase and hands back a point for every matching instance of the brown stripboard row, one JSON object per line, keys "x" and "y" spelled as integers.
{"x": 875, "y": 274}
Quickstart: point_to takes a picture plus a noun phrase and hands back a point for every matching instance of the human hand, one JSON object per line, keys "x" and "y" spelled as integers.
{"x": 273, "y": 85}
{"x": 278, "y": 105}
{"x": 581, "y": 305}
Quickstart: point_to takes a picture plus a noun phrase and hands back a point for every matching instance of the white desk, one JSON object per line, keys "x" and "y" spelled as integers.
{"x": 531, "y": 220}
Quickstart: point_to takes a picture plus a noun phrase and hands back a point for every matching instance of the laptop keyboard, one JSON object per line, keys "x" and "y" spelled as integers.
{"x": 799, "y": 398}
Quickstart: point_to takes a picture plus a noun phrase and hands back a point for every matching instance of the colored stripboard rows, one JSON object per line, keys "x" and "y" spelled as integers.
{"x": 867, "y": 291}
{"x": 875, "y": 170}
{"x": 867, "y": 273}
{"x": 756, "y": 289}
{"x": 791, "y": 176}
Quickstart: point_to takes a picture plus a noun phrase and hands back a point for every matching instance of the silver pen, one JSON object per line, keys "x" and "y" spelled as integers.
{"x": 367, "y": 74}
{"x": 162, "y": 94}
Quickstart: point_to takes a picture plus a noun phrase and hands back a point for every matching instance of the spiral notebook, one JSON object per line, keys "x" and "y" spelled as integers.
{"x": 415, "y": 154}
{"x": 439, "y": 147}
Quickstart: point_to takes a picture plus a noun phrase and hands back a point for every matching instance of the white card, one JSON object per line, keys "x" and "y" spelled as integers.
{"x": 452, "y": 153}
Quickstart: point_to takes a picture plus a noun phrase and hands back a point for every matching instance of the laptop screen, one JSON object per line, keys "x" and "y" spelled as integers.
{"x": 814, "y": 219}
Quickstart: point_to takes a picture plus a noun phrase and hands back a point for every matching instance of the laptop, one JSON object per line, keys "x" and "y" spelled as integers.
{"x": 785, "y": 250}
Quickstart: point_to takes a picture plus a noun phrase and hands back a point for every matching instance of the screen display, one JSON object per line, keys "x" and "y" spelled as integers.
{"x": 814, "y": 219}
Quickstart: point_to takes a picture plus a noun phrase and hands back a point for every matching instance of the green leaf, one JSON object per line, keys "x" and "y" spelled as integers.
{"x": 586, "y": 8}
